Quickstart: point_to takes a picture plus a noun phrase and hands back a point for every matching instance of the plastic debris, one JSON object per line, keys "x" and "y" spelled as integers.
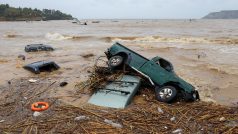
{"x": 39, "y": 106}
{"x": 1, "y": 121}
{"x": 222, "y": 119}
{"x": 35, "y": 114}
{"x": 82, "y": 117}
{"x": 32, "y": 80}
{"x": 177, "y": 131}
{"x": 172, "y": 119}
{"x": 117, "y": 125}
{"x": 160, "y": 110}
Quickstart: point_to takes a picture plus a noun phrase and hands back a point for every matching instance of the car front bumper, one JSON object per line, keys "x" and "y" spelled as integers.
{"x": 192, "y": 96}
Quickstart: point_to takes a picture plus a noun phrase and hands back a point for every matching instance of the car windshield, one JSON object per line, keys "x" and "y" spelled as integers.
{"x": 165, "y": 64}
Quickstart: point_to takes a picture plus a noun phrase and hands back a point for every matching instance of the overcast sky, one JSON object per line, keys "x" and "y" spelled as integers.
{"x": 130, "y": 9}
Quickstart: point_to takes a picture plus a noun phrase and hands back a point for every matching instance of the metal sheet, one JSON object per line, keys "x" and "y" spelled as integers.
{"x": 117, "y": 94}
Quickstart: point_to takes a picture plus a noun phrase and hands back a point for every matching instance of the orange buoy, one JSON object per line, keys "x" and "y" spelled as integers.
{"x": 39, "y": 106}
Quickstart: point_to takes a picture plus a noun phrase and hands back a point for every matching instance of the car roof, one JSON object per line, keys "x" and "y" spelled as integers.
{"x": 37, "y": 45}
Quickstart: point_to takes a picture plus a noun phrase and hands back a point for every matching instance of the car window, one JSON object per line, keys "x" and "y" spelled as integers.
{"x": 165, "y": 64}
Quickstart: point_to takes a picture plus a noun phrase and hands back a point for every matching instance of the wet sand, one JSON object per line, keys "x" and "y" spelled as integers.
{"x": 203, "y": 52}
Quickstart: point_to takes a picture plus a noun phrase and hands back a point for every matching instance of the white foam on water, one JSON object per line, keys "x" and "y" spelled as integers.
{"x": 56, "y": 36}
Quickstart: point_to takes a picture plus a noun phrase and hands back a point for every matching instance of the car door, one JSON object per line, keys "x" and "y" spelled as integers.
{"x": 156, "y": 73}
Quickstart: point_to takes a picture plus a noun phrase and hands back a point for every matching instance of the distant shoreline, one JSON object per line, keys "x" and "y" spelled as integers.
{"x": 27, "y": 19}
{"x": 226, "y": 14}
{"x": 8, "y": 13}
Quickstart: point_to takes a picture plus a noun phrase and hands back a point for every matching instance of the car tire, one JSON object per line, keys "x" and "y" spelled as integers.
{"x": 115, "y": 61}
{"x": 166, "y": 94}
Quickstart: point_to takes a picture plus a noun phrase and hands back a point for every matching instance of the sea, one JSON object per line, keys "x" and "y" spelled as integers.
{"x": 203, "y": 52}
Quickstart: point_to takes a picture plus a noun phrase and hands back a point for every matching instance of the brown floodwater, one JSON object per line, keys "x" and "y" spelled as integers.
{"x": 203, "y": 52}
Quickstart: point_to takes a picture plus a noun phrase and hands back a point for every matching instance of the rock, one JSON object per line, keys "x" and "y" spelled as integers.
{"x": 172, "y": 119}
{"x": 82, "y": 117}
{"x": 117, "y": 125}
{"x": 222, "y": 119}
{"x": 35, "y": 114}
{"x": 177, "y": 131}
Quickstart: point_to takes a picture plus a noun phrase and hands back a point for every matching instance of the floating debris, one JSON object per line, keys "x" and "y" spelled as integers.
{"x": 87, "y": 55}
{"x": 41, "y": 66}
{"x": 62, "y": 84}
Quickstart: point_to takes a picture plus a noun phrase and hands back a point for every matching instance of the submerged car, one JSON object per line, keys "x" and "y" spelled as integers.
{"x": 38, "y": 47}
{"x": 41, "y": 66}
{"x": 158, "y": 71}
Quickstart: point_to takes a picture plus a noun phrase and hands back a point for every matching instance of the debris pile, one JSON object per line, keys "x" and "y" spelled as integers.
{"x": 144, "y": 115}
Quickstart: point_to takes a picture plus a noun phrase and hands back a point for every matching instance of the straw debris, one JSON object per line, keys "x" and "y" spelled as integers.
{"x": 142, "y": 116}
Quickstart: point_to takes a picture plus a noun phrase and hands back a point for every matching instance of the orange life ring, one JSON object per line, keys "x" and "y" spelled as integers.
{"x": 34, "y": 106}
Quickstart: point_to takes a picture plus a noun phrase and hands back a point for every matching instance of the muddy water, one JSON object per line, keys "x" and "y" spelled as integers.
{"x": 203, "y": 52}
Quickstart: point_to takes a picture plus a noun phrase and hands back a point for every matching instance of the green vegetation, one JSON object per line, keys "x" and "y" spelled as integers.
{"x": 8, "y": 13}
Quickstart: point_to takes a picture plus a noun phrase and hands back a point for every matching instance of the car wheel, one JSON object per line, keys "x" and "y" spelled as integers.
{"x": 166, "y": 94}
{"x": 115, "y": 61}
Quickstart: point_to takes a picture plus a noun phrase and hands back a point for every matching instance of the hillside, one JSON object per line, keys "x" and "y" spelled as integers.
{"x": 227, "y": 14}
{"x": 8, "y": 13}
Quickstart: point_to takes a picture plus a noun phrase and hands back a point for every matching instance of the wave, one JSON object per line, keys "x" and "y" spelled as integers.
{"x": 152, "y": 39}
{"x": 146, "y": 39}
{"x": 56, "y": 36}
{"x": 11, "y": 35}
{"x": 222, "y": 69}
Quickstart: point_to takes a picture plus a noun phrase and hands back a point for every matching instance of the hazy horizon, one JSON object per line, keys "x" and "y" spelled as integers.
{"x": 130, "y": 9}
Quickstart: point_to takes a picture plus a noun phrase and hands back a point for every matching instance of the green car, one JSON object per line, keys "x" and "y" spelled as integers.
{"x": 158, "y": 71}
